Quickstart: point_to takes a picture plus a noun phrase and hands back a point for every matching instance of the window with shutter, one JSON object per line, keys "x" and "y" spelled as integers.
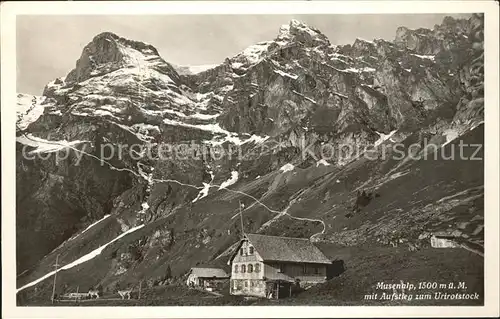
{"x": 250, "y": 250}
{"x": 243, "y": 268}
{"x": 250, "y": 268}
{"x": 235, "y": 268}
{"x": 257, "y": 267}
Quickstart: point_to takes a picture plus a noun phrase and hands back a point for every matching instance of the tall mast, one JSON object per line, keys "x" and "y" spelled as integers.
{"x": 55, "y": 276}
{"x": 241, "y": 220}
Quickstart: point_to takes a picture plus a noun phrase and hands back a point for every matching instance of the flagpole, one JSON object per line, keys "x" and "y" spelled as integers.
{"x": 55, "y": 276}
{"x": 241, "y": 220}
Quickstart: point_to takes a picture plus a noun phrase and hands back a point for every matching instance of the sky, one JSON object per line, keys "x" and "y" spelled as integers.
{"x": 48, "y": 46}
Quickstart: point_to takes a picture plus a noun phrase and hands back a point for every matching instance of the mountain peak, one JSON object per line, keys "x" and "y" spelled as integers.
{"x": 136, "y": 45}
{"x": 297, "y": 23}
{"x": 299, "y": 31}
{"x": 107, "y": 52}
{"x": 106, "y": 35}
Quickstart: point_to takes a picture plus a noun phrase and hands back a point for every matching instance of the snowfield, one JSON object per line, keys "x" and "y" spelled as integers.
{"x": 450, "y": 136}
{"x": 230, "y": 181}
{"x": 291, "y": 76}
{"x": 195, "y": 69}
{"x": 322, "y": 162}
{"x": 206, "y": 187}
{"x": 89, "y": 227}
{"x": 305, "y": 97}
{"x": 29, "y": 109}
{"x": 254, "y": 53}
{"x": 201, "y": 116}
{"x": 45, "y": 146}
{"x": 287, "y": 168}
{"x": 80, "y": 260}
{"x": 384, "y": 137}
{"x": 231, "y": 137}
{"x": 428, "y": 57}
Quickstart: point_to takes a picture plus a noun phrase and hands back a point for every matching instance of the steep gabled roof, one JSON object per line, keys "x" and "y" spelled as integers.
{"x": 209, "y": 272}
{"x": 273, "y": 248}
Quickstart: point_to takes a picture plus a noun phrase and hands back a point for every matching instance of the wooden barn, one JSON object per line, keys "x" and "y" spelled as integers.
{"x": 206, "y": 278}
{"x": 272, "y": 267}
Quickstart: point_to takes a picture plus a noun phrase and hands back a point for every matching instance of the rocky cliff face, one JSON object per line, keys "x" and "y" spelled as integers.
{"x": 276, "y": 127}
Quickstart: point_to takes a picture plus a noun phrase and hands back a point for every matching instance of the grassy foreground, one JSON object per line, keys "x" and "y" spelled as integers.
{"x": 364, "y": 268}
{"x": 367, "y": 266}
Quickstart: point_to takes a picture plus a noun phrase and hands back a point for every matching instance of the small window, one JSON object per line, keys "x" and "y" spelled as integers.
{"x": 243, "y": 268}
{"x": 241, "y": 251}
{"x": 235, "y": 268}
{"x": 257, "y": 267}
{"x": 235, "y": 284}
{"x": 250, "y": 250}
{"x": 246, "y": 283}
{"x": 282, "y": 267}
{"x": 252, "y": 283}
{"x": 244, "y": 251}
{"x": 250, "y": 268}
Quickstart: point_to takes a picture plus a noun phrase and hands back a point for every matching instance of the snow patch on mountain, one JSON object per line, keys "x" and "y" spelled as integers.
{"x": 104, "y": 113}
{"x": 84, "y": 258}
{"x": 450, "y": 135}
{"x": 398, "y": 175}
{"x": 89, "y": 227}
{"x": 134, "y": 57}
{"x": 364, "y": 40}
{"x": 29, "y": 109}
{"x": 322, "y": 162}
{"x": 287, "y": 168}
{"x": 291, "y": 76}
{"x": 201, "y": 116}
{"x": 305, "y": 97}
{"x": 340, "y": 95}
{"x": 206, "y": 187}
{"x": 303, "y": 27}
{"x": 233, "y": 179}
{"x": 256, "y": 139}
{"x": 195, "y": 69}
{"x": 45, "y": 146}
{"x": 214, "y": 128}
{"x": 354, "y": 70}
{"x": 230, "y": 137}
{"x": 110, "y": 108}
{"x": 428, "y": 57}
{"x": 254, "y": 53}
{"x": 145, "y": 128}
{"x": 384, "y": 137}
